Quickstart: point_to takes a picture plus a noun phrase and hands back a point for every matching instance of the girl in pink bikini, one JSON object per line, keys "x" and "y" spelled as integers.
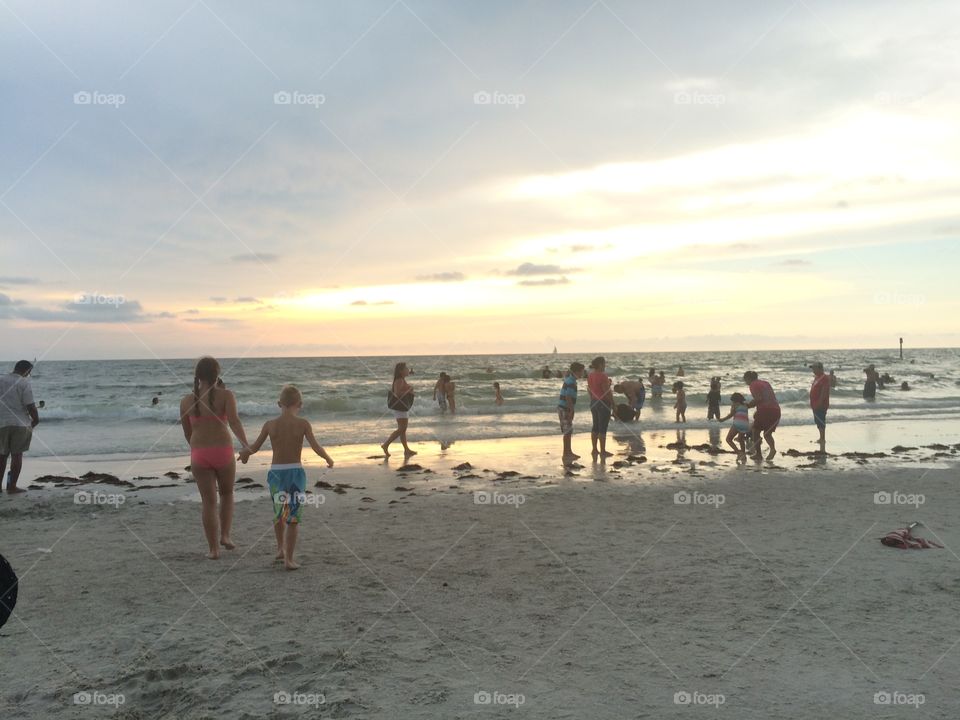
{"x": 207, "y": 416}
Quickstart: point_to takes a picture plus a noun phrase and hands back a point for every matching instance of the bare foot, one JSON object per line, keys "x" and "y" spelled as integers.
{"x": 279, "y": 555}
{"x": 595, "y": 453}
{"x": 386, "y": 452}
{"x": 227, "y": 543}
{"x": 14, "y": 490}
{"x": 606, "y": 454}
{"x": 291, "y": 565}
{"x": 574, "y": 456}
{"x": 213, "y": 555}
{"x": 409, "y": 453}
{"x": 771, "y": 455}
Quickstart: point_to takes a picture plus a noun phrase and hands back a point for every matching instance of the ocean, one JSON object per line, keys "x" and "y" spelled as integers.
{"x": 103, "y": 408}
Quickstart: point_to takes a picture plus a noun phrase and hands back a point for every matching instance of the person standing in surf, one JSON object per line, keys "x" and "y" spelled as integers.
{"x": 601, "y": 406}
{"x": 400, "y": 400}
{"x": 207, "y": 415}
{"x": 820, "y": 400}
{"x": 18, "y": 418}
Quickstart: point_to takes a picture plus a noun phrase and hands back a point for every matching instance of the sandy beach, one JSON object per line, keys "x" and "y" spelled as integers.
{"x": 647, "y": 590}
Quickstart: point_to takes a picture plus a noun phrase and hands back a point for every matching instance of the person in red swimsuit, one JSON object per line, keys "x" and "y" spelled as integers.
{"x": 207, "y": 416}
{"x": 766, "y": 417}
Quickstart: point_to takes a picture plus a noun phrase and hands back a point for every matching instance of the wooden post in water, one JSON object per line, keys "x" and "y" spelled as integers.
{"x": 901, "y": 348}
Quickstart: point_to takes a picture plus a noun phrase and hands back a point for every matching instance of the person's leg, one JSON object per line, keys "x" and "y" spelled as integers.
{"x": 567, "y": 447}
{"x": 393, "y": 436}
{"x": 594, "y": 429}
{"x": 604, "y": 425}
{"x": 402, "y": 427}
{"x": 3, "y": 469}
{"x": 278, "y": 531}
{"x": 207, "y": 486}
{"x": 290, "y": 544}
{"x": 16, "y": 465}
{"x": 225, "y": 479}
{"x": 731, "y": 433}
{"x": 768, "y": 436}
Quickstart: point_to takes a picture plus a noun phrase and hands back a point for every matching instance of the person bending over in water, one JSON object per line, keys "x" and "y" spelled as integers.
{"x": 287, "y": 478}
{"x": 207, "y": 416}
{"x": 636, "y": 394}
{"x": 400, "y": 400}
{"x": 767, "y": 414}
{"x": 498, "y": 399}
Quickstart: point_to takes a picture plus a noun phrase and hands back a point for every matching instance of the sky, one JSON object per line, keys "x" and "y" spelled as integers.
{"x": 424, "y": 176}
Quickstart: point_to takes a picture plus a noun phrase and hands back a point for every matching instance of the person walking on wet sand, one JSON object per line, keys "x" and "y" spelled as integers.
{"x": 820, "y": 400}
{"x": 287, "y": 478}
{"x": 18, "y": 417}
{"x": 767, "y": 414}
{"x": 566, "y": 408}
{"x": 400, "y": 400}
{"x": 207, "y": 416}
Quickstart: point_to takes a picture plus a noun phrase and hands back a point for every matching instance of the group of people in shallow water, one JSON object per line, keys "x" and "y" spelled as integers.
{"x": 745, "y": 436}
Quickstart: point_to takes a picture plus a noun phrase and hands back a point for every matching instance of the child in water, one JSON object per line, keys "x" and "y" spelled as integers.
{"x": 713, "y": 399}
{"x": 681, "y": 403}
{"x": 286, "y": 478}
{"x": 498, "y": 399}
{"x": 741, "y": 424}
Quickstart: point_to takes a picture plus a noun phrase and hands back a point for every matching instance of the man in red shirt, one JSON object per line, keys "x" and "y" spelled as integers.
{"x": 820, "y": 400}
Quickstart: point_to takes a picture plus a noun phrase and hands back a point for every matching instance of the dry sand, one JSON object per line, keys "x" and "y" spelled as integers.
{"x": 583, "y": 598}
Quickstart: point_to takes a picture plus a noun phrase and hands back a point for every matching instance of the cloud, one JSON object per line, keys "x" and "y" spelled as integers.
{"x": 380, "y": 302}
{"x": 256, "y": 257}
{"x": 359, "y": 302}
{"x": 212, "y": 321}
{"x": 248, "y": 299}
{"x": 166, "y": 315}
{"x": 580, "y": 248}
{"x": 121, "y": 311}
{"x": 545, "y": 282}
{"x": 534, "y": 269}
{"x": 191, "y": 311}
{"x": 218, "y": 299}
{"x": 17, "y": 280}
{"x": 794, "y": 262}
{"x": 443, "y": 277}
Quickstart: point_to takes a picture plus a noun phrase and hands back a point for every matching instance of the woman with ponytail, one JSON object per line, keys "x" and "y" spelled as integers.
{"x": 207, "y": 416}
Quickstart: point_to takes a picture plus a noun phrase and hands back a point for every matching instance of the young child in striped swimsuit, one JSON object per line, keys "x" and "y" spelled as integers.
{"x": 741, "y": 423}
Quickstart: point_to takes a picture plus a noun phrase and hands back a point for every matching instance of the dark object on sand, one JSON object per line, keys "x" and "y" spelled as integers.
{"x": 624, "y": 413}
{"x": 412, "y": 467}
{"x": 464, "y": 466}
{"x": 9, "y": 585}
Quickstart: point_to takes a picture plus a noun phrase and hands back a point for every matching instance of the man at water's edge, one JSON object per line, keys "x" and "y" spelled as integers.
{"x": 18, "y": 417}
